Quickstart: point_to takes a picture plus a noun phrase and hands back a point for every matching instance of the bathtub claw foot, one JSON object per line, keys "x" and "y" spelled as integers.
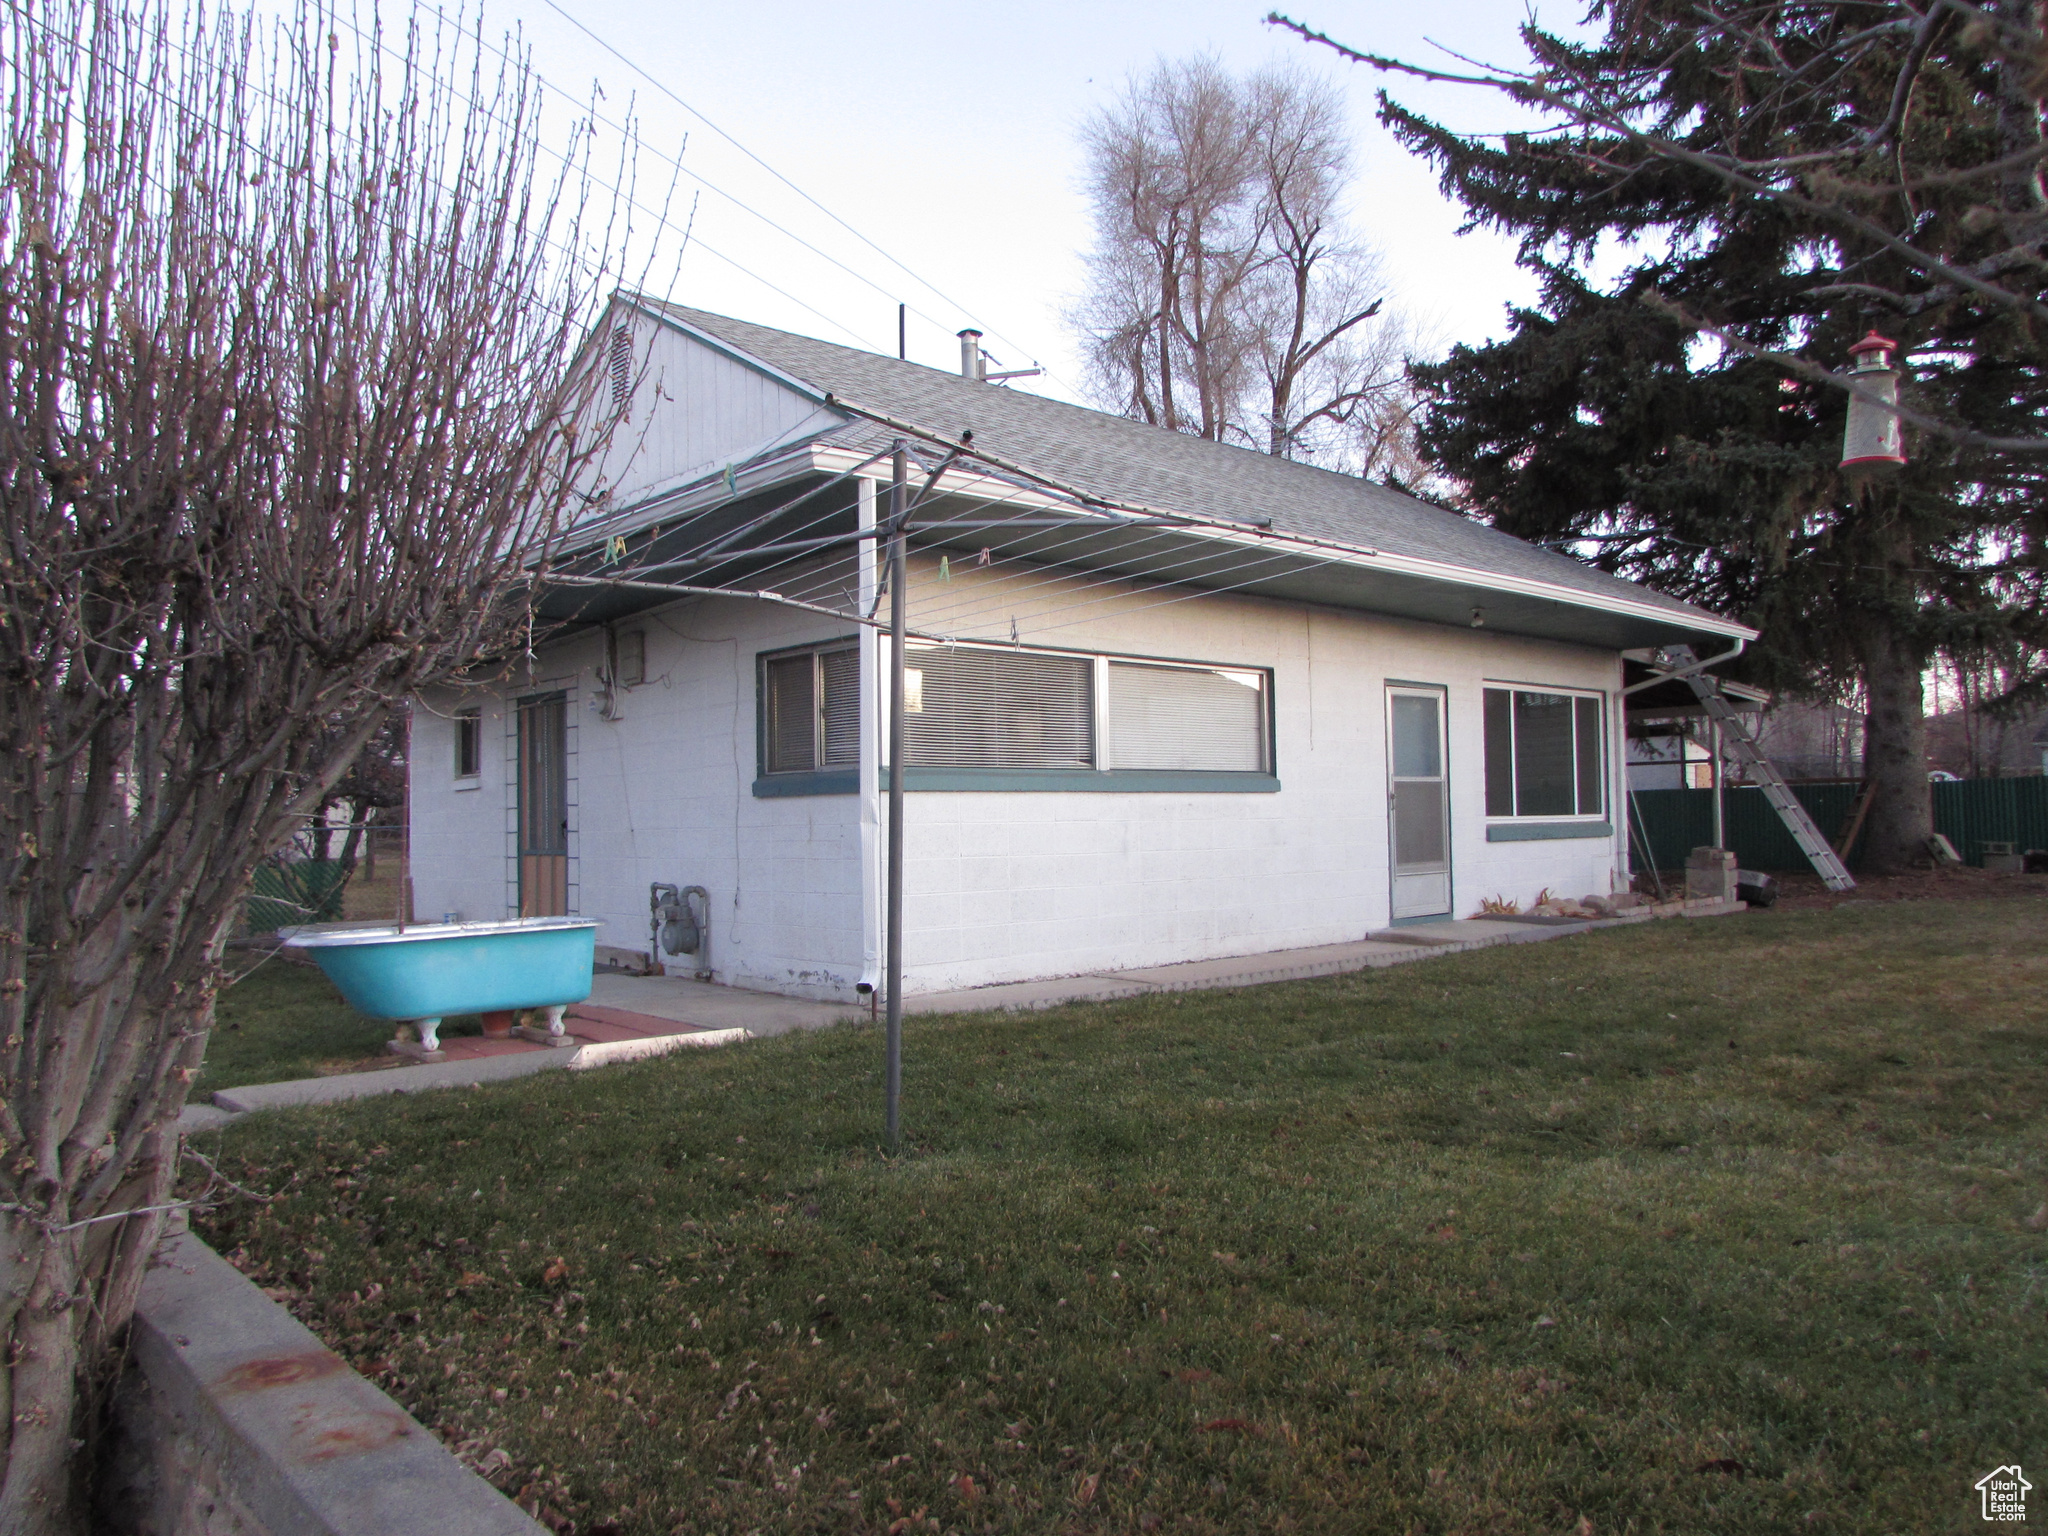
{"x": 553, "y": 1034}
{"x": 428, "y": 1047}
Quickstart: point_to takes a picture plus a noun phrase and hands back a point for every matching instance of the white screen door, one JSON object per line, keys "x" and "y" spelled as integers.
{"x": 1418, "y": 803}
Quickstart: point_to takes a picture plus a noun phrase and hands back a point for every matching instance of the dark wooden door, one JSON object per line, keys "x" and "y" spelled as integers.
{"x": 544, "y": 806}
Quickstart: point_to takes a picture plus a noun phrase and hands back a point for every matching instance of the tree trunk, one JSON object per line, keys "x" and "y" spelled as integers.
{"x": 1895, "y": 751}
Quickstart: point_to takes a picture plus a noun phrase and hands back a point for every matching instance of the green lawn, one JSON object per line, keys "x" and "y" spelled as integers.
{"x": 1720, "y": 1226}
{"x": 282, "y": 1021}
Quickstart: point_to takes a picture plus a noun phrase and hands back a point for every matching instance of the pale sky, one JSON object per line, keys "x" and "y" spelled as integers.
{"x": 947, "y": 135}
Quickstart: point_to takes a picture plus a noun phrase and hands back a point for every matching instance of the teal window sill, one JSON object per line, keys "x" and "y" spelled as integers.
{"x": 1547, "y": 831}
{"x": 837, "y": 781}
{"x": 1027, "y": 781}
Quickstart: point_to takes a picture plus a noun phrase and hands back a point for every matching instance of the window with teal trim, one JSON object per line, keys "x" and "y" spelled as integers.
{"x": 1545, "y": 753}
{"x": 810, "y": 708}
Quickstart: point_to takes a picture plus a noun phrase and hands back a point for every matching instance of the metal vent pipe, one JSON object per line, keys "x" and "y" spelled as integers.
{"x": 970, "y": 355}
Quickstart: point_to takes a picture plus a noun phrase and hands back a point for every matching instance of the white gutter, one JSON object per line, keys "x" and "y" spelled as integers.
{"x": 1698, "y": 666}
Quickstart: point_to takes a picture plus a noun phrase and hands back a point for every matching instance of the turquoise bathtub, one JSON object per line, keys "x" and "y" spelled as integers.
{"x": 425, "y": 972}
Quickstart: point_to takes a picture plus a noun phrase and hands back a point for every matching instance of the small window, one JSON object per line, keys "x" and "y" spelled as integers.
{"x": 1545, "y": 753}
{"x": 469, "y": 742}
{"x": 1193, "y": 718}
{"x": 811, "y": 710}
{"x": 991, "y": 708}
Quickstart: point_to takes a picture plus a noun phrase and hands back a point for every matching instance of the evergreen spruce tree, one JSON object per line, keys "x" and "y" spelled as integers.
{"x": 1651, "y": 419}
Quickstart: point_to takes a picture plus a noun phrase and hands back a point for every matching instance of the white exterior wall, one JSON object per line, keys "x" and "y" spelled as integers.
{"x": 1000, "y": 886}
{"x": 1008, "y": 886}
{"x": 663, "y": 793}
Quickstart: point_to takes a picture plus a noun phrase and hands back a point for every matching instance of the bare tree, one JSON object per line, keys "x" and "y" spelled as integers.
{"x": 1227, "y": 299}
{"x": 284, "y": 423}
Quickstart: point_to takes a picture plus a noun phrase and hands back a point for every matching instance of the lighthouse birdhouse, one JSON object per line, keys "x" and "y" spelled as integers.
{"x": 1871, "y": 441}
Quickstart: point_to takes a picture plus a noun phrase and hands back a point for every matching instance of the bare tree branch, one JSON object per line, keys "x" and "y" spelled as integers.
{"x": 290, "y": 416}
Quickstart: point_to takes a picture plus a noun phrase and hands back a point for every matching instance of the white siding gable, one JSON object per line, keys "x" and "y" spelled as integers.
{"x": 694, "y": 409}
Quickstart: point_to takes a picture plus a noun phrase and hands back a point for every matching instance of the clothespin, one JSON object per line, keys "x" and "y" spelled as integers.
{"x": 985, "y": 556}
{"x": 615, "y": 548}
{"x": 945, "y": 569}
{"x": 732, "y": 481}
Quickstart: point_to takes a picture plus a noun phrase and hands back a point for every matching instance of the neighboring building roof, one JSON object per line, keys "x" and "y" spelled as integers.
{"x": 1130, "y": 461}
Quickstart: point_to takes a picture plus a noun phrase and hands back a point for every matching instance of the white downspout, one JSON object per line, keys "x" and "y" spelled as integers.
{"x": 872, "y": 723}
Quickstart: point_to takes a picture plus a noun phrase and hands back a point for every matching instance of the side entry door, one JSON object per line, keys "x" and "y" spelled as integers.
{"x": 1418, "y": 802}
{"x": 544, "y": 806}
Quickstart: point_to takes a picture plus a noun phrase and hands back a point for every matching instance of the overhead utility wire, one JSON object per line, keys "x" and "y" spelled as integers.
{"x": 660, "y": 216}
{"x": 737, "y": 202}
{"x": 676, "y": 164}
{"x": 799, "y": 191}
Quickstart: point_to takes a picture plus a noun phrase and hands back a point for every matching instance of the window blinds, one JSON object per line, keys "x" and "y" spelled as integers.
{"x": 839, "y": 671}
{"x": 1185, "y": 718}
{"x": 792, "y": 710}
{"x": 1002, "y": 709}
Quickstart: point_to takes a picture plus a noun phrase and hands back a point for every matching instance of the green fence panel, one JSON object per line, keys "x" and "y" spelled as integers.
{"x": 1968, "y": 812}
{"x": 1973, "y": 812}
{"x": 307, "y": 891}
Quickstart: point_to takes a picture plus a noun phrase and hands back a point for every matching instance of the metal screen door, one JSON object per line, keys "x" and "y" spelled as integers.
{"x": 1418, "y": 803}
{"x": 544, "y": 806}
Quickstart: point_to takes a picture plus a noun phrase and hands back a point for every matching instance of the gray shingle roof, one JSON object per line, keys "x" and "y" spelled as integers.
{"x": 1129, "y": 461}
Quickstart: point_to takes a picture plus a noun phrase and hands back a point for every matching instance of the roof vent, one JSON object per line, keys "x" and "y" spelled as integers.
{"x": 971, "y": 364}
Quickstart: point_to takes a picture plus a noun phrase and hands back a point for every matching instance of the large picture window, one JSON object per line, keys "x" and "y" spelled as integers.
{"x": 1546, "y": 753}
{"x": 810, "y": 706}
{"x": 1009, "y": 718}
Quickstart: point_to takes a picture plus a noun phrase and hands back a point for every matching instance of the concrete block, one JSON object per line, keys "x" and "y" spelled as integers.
{"x": 243, "y": 1399}
{"x": 1710, "y": 874}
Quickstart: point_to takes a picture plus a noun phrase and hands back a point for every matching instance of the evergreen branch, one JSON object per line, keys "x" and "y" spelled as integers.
{"x": 1743, "y": 175}
{"x": 1848, "y": 383}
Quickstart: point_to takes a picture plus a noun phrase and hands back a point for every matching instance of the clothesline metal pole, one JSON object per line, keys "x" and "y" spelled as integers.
{"x": 899, "y": 512}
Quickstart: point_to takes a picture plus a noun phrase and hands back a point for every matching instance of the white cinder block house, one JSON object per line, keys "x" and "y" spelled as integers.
{"x": 1170, "y": 699}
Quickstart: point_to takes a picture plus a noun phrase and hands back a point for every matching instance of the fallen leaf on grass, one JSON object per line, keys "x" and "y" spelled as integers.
{"x": 2038, "y": 1222}
{"x": 1546, "y": 1321}
{"x": 1084, "y": 1494}
{"x": 965, "y": 1484}
{"x": 558, "y": 1269}
{"x": 1196, "y": 1373}
{"x": 1585, "y": 1525}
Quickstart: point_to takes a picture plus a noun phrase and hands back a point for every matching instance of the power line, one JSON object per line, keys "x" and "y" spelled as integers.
{"x": 799, "y": 191}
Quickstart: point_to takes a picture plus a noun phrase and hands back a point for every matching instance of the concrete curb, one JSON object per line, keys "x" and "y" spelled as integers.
{"x": 230, "y": 1102}
{"x": 284, "y": 1432}
{"x": 605, "y": 1053}
{"x": 362, "y": 1085}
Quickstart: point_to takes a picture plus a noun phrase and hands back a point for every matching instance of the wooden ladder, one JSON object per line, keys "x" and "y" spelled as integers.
{"x": 1678, "y": 661}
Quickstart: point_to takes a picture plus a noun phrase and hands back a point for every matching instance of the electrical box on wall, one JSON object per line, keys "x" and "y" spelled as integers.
{"x": 632, "y": 658}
